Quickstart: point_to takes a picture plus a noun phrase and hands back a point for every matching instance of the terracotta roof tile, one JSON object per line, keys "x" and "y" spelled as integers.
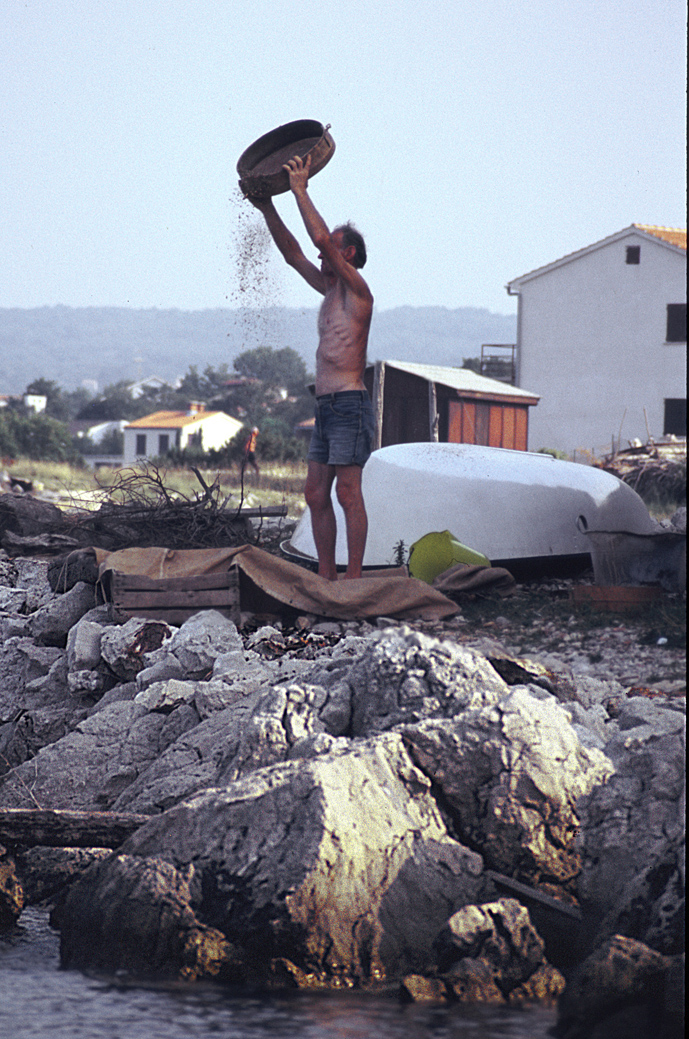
{"x": 674, "y": 235}
{"x": 170, "y": 419}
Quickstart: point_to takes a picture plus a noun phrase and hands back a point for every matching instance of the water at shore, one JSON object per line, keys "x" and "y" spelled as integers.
{"x": 37, "y": 999}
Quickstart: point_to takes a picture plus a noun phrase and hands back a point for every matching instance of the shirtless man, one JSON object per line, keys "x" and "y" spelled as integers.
{"x": 343, "y": 435}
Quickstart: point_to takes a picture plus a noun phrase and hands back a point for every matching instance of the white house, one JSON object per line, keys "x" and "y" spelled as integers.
{"x": 35, "y": 402}
{"x": 152, "y": 384}
{"x": 155, "y": 434}
{"x": 601, "y": 337}
{"x": 97, "y": 431}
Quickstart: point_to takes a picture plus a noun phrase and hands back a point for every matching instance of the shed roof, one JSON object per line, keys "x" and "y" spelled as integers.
{"x": 674, "y": 238}
{"x": 462, "y": 379}
{"x": 173, "y": 419}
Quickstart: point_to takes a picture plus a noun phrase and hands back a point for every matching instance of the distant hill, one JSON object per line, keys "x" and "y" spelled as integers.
{"x": 107, "y": 344}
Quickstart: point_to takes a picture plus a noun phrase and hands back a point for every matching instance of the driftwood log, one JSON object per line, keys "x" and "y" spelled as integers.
{"x": 37, "y": 545}
{"x": 53, "y": 828}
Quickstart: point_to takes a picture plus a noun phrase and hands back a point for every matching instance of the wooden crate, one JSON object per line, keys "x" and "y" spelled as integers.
{"x": 174, "y": 599}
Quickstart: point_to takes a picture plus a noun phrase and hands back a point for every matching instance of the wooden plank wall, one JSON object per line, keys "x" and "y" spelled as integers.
{"x": 405, "y": 413}
{"x": 489, "y": 424}
{"x": 406, "y": 410}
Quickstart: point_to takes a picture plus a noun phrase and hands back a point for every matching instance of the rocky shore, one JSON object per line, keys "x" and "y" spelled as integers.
{"x": 489, "y": 808}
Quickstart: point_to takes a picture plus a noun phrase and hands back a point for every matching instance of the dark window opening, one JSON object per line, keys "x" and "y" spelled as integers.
{"x": 141, "y": 443}
{"x": 675, "y": 416}
{"x": 633, "y": 254}
{"x": 163, "y": 443}
{"x": 676, "y": 323}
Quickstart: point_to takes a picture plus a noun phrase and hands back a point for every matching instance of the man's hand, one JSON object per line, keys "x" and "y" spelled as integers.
{"x": 260, "y": 202}
{"x": 298, "y": 173}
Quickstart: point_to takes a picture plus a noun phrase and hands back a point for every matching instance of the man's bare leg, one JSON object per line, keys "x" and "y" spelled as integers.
{"x": 348, "y": 490}
{"x": 319, "y": 482}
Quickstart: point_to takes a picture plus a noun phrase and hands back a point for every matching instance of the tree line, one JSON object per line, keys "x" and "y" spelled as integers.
{"x": 267, "y": 388}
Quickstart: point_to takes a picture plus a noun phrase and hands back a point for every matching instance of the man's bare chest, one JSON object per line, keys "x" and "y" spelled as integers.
{"x": 334, "y": 316}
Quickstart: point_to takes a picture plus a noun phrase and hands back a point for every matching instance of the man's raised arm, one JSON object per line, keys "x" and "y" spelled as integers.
{"x": 318, "y": 229}
{"x": 288, "y": 244}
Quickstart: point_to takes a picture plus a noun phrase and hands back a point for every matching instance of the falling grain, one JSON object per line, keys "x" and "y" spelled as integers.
{"x": 257, "y": 283}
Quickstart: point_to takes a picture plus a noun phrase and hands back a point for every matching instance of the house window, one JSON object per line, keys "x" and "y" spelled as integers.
{"x": 633, "y": 254}
{"x": 163, "y": 443}
{"x": 676, "y": 323}
{"x": 141, "y": 443}
{"x": 675, "y": 416}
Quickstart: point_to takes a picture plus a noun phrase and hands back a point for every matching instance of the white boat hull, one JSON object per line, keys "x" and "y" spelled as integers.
{"x": 509, "y": 505}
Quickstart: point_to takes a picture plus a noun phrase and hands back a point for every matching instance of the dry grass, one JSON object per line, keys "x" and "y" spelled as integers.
{"x": 68, "y": 487}
{"x": 53, "y": 477}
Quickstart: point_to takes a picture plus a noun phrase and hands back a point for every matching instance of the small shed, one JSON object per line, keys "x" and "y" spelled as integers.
{"x": 429, "y": 402}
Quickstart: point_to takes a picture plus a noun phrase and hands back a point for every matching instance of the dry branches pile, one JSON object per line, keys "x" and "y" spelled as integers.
{"x": 142, "y": 511}
{"x": 653, "y": 470}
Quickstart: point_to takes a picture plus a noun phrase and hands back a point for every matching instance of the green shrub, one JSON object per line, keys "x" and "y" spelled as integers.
{"x": 36, "y": 437}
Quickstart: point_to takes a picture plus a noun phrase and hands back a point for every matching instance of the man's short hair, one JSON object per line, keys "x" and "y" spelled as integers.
{"x": 350, "y": 236}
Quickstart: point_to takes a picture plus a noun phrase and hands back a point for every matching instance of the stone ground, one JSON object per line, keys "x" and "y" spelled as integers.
{"x": 644, "y": 651}
{"x": 647, "y": 649}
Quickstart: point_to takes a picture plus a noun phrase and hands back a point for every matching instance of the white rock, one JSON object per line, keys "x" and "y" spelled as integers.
{"x": 165, "y": 696}
{"x": 83, "y": 645}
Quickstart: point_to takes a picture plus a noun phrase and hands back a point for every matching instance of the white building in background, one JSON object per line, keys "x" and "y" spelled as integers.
{"x": 601, "y": 337}
{"x": 153, "y": 384}
{"x": 35, "y": 402}
{"x": 155, "y": 434}
{"x": 99, "y": 430}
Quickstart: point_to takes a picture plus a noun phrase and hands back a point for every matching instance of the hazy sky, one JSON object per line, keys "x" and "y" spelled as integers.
{"x": 475, "y": 141}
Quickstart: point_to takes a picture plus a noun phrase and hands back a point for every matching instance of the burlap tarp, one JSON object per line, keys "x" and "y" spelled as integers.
{"x": 285, "y": 584}
{"x": 465, "y": 577}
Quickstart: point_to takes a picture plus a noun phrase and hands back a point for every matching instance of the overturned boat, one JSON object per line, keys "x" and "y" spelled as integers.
{"x": 528, "y": 512}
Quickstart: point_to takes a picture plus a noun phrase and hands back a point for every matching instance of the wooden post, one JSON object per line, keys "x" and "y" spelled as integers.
{"x": 57, "y": 828}
{"x": 432, "y": 412}
{"x": 378, "y": 401}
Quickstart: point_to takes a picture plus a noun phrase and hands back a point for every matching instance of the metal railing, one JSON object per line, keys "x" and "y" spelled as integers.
{"x": 499, "y": 361}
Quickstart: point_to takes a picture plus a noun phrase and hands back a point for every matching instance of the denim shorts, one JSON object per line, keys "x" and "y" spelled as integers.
{"x": 344, "y": 430}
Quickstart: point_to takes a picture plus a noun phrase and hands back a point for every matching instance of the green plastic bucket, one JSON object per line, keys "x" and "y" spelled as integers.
{"x": 436, "y": 552}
